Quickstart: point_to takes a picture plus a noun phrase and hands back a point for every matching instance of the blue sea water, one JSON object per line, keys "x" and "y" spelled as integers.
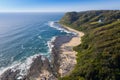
{"x": 25, "y": 35}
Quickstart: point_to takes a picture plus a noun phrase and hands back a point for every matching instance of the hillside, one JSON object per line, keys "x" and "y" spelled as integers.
{"x": 99, "y": 54}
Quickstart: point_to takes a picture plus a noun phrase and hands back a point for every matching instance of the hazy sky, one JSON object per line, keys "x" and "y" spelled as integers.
{"x": 56, "y": 5}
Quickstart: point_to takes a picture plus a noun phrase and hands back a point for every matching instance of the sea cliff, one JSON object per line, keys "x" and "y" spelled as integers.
{"x": 99, "y": 53}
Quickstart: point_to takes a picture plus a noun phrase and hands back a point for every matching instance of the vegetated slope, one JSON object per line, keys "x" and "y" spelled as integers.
{"x": 98, "y": 55}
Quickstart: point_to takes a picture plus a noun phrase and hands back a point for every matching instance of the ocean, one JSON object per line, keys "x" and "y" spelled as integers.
{"x": 23, "y": 36}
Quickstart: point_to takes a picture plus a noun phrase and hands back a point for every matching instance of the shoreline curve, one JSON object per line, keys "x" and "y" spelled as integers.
{"x": 68, "y": 55}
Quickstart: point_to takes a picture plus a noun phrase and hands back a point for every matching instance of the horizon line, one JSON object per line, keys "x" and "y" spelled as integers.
{"x": 27, "y": 11}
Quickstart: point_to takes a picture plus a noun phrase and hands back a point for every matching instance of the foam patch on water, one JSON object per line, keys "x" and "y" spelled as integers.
{"x": 57, "y": 26}
{"x": 39, "y": 37}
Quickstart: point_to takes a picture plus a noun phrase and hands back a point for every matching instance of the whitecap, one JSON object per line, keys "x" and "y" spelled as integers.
{"x": 22, "y": 47}
{"x": 39, "y": 37}
{"x": 57, "y": 26}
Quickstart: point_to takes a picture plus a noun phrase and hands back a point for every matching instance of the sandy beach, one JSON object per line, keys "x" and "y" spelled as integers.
{"x": 68, "y": 55}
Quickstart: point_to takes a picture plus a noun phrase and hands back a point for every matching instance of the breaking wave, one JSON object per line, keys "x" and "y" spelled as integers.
{"x": 50, "y": 44}
{"x": 57, "y": 26}
{"x": 23, "y": 67}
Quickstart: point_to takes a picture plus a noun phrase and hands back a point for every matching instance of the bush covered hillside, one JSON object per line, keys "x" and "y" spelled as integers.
{"x": 98, "y": 56}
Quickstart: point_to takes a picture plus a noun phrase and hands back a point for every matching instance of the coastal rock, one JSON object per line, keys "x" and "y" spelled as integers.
{"x": 35, "y": 68}
{"x": 65, "y": 62}
{"x": 9, "y": 75}
{"x": 40, "y": 70}
{"x": 44, "y": 69}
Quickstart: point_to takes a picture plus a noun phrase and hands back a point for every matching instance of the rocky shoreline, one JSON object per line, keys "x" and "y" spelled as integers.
{"x": 41, "y": 69}
{"x": 63, "y": 60}
{"x": 67, "y": 54}
{"x": 37, "y": 70}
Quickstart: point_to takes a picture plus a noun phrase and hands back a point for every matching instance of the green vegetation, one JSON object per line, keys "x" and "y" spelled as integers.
{"x": 99, "y": 54}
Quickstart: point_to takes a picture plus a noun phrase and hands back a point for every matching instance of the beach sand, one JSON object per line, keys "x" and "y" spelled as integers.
{"x": 68, "y": 55}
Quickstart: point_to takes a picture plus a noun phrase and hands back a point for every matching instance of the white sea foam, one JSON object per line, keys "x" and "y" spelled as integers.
{"x": 18, "y": 65}
{"x": 22, "y": 47}
{"x": 50, "y": 44}
{"x": 39, "y": 37}
{"x": 23, "y": 67}
{"x": 42, "y": 58}
{"x": 59, "y": 27}
{"x": 19, "y": 77}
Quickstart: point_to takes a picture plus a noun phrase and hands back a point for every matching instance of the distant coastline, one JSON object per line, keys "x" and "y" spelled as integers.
{"x": 98, "y": 55}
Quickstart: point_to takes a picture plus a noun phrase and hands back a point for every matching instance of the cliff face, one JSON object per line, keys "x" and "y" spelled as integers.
{"x": 99, "y": 54}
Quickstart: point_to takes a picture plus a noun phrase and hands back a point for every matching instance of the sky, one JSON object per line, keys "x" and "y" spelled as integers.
{"x": 57, "y": 5}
